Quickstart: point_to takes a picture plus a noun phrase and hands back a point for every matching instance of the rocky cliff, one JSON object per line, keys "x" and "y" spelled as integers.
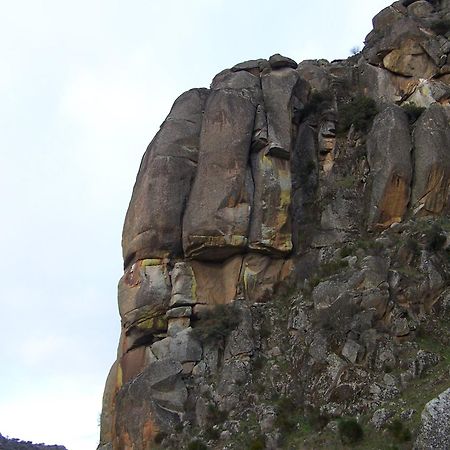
{"x": 286, "y": 254}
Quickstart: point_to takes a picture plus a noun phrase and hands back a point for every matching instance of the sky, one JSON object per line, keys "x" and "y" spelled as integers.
{"x": 84, "y": 86}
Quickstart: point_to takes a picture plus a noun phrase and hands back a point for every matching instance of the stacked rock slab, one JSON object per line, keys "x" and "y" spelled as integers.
{"x": 231, "y": 198}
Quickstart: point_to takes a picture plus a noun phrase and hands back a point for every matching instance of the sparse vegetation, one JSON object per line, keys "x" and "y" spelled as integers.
{"x": 399, "y": 431}
{"x": 216, "y": 323}
{"x": 286, "y": 419}
{"x": 258, "y": 443}
{"x": 441, "y": 26}
{"x": 350, "y": 431}
{"x": 413, "y": 111}
{"x": 196, "y": 445}
{"x": 360, "y": 113}
{"x": 435, "y": 238}
{"x": 319, "y": 102}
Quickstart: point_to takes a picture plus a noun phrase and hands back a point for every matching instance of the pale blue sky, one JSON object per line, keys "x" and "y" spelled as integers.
{"x": 84, "y": 86}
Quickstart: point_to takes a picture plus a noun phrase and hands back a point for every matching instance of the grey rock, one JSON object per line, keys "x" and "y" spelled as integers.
{"x": 431, "y": 160}
{"x": 182, "y": 311}
{"x": 278, "y": 61}
{"x": 351, "y": 350}
{"x": 279, "y": 88}
{"x": 183, "y": 285}
{"x": 380, "y": 418}
{"x": 434, "y": 431}
{"x": 253, "y": 64}
{"x": 182, "y": 348}
{"x": 389, "y": 156}
{"x": 153, "y": 220}
{"x": 217, "y": 215}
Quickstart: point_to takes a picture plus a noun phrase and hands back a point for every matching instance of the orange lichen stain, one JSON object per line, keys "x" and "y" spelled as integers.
{"x": 149, "y": 432}
{"x": 434, "y": 200}
{"x": 123, "y": 442}
{"x": 394, "y": 202}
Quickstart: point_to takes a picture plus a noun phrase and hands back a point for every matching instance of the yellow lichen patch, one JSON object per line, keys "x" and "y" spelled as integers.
{"x": 393, "y": 204}
{"x": 119, "y": 377}
{"x": 151, "y": 262}
{"x": 152, "y": 323}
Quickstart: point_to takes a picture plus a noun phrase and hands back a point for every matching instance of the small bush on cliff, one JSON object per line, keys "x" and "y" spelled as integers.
{"x": 286, "y": 420}
{"x": 318, "y": 103}
{"x": 441, "y": 26}
{"x": 435, "y": 238}
{"x": 216, "y": 323}
{"x": 196, "y": 445}
{"x": 360, "y": 113}
{"x": 350, "y": 431}
{"x": 399, "y": 431}
{"x": 412, "y": 111}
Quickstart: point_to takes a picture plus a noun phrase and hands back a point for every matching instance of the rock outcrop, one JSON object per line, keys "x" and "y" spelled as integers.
{"x": 325, "y": 185}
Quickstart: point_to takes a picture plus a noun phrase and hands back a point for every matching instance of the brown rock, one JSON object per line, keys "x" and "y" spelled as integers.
{"x": 431, "y": 161}
{"x": 152, "y": 226}
{"x": 388, "y": 151}
{"x": 216, "y": 219}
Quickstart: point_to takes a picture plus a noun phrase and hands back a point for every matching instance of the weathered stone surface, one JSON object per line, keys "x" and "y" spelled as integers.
{"x": 153, "y": 220}
{"x": 182, "y": 347}
{"x": 421, "y": 8}
{"x": 222, "y": 189}
{"x": 144, "y": 296}
{"x": 253, "y": 65}
{"x": 278, "y": 61}
{"x": 270, "y": 227}
{"x": 351, "y": 350}
{"x": 184, "y": 288}
{"x": 383, "y": 86}
{"x": 182, "y": 311}
{"x": 427, "y": 92}
{"x": 260, "y": 274}
{"x": 389, "y": 156}
{"x": 435, "y": 427}
{"x": 217, "y": 283}
{"x": 410, "y": 60}
{"x": 279, "y": 90}
{"x": 430, "y": 189}
{"x": 315, "y": 73}
{"x": 247, "y": 197}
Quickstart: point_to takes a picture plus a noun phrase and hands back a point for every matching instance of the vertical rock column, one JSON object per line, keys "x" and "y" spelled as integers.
{"x": 431, "y": 161}
{"x": 152, "y": 226}
{"x": 270, "y": 230}
{"x": 216, "y": 221}
{"x": 389, "y": 156}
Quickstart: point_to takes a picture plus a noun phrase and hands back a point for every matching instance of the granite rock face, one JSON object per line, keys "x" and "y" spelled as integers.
{"x": 285, "y": 178}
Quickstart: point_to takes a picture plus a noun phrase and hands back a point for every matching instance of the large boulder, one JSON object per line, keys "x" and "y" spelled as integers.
{"x": 217, "y": 215}
{"x": 434, "y": 432}
{"x": 153, "y": 220}
{"x": 431, "y": 160}
{"x": 389, "y": 157}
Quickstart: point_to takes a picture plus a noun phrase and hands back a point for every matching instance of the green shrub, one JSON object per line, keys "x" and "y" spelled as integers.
{"x": 360, "y": 113}
{"x": 350, "y": 431}
{"x": 258, "y": 443}
{"x": 285, "y": 420}
{"x": 212, "y": 434}
{"x": 435, "y": 238}
{"x": 216, "y": 323}
{"x": 216, "y": 415}
{"x": 346, "y": 250}
{"x": 159, "y": 437}
{"x": 412, "y": 111}
{"x": 441, "y": 26}
{"x": 399, "y": 431}
{"x": 318, "y": 103}
{"x": 196, "y": 445}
